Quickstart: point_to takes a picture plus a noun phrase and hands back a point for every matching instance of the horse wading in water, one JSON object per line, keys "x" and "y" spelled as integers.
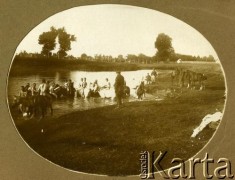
{"x": 34, "y": 105}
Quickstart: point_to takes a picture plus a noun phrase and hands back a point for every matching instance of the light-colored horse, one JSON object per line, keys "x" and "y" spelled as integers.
{"x": 107, "y": 93}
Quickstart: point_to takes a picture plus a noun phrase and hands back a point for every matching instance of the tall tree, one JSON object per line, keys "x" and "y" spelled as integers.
{"x": 165, "y": 51}
{"x": 65, "y": 40}
{"x": 47, "y": 40}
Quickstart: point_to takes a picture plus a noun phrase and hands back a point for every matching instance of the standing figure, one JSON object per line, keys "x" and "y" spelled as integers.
{"x": 148, "y": 78}
{"x": 70, "y": 88}
{"x": 22, "y": 92}
{"x": 33, "y": 90}
{"x": 154, "y": 75}
{"x": 47, "y": 89}
{"x": 52, "y": 90}
{"x": 80, "y": 90}
{"x": 119, "y": 88}
{"x": 140, "y": 92}
{"x": 96, "y": 89}
{"x": 174, "y": 75}
{"x": 27, "y": 89}
{"x": 42, "y": 89}
{"x": 81, "y": 83}
{"x": 84, "y": 83}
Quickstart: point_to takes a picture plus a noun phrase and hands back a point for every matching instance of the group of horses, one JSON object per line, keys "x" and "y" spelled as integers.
{"x": 71, "y": 92}
{"x": 33, "y": 105}
{"x": 188, "y": 78}
{"x": 37, "y": 105}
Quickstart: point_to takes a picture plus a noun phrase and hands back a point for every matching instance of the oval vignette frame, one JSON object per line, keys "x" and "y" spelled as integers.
{"x": 224, "y": 75}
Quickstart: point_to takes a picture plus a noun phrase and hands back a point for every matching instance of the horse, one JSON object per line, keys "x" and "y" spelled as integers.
{"x": 202, "y": 78}
{"x": 153, "y": 79}
{"x": 92, "y": 93}
{"x": 107, "y": 93}
{"x": 193, "y": 78}
{"x": 71, "y": 91}
{"x": 30, "y": 106}
{"x": 199, "y": 78}
{"x": 127, "y": 91}
{"x": 181, "y": 77}
{"x": 42, "y": 103}
{"x": 60, "y": 91}
{"x": 140, "y": 91}
{"x": 23, "y": 104}
{"x": 82, "y": 92}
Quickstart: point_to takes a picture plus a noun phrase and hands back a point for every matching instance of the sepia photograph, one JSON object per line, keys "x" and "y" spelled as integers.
{"x": 92, "y": 87}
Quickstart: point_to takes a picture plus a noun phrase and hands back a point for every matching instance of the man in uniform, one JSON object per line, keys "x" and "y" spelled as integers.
{"x": 119, "y": 88}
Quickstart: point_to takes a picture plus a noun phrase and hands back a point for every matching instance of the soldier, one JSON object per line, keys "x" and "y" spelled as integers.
{"x": 119, "y": 88}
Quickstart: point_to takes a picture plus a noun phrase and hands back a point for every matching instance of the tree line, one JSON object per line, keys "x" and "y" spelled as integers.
{"x": 163, "y": 44}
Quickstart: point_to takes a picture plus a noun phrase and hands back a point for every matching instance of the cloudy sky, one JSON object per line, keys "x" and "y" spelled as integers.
{"x": 119, "y": 29}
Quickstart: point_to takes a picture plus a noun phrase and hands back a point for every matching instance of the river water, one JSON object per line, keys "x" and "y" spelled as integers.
{"x": 65, "y": 105}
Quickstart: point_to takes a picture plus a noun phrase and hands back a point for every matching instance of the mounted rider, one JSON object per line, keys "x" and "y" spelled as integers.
{"x": 43, "y": 88}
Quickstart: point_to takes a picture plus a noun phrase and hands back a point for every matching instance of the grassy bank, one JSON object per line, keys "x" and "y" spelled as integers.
{"x": 27, "y": 66}
{"x": 108, "y": 140}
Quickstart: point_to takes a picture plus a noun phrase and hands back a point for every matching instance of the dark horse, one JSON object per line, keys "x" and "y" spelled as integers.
{"x": 140, "y": 91}
{"x": 126, "y": 91}
{"x": 193, "y": 78}
{"x": 33, "y": 105}
{"x": 178, "y": 75}
{"x": 60, "y": 91}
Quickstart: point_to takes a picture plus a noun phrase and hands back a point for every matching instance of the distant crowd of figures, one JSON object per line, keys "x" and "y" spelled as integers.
{"x": 84, "y": 88}
{"x": 32, "y": 98}
{"x": 180, "y": 77}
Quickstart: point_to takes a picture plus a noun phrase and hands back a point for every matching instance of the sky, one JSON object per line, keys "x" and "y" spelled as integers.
{"x": 119, "y": 29}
